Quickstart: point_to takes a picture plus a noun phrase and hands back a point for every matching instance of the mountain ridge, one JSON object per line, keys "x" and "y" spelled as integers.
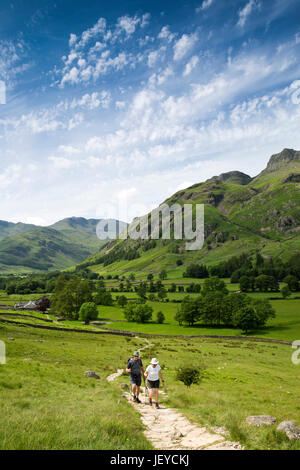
{"x": 261, "y": 215}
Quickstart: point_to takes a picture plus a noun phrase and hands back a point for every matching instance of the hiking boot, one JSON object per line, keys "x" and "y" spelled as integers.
{"x": 157, "y": 405}
{"x": 138, "y": 400}
{"x": 150, "y": 401}
{"x": 134, "y": 398}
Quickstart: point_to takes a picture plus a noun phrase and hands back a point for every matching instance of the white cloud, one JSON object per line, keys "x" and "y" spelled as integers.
{"x": 62, "y": 163}
{"x": 245, "y": 12}
{"x": 72, "y": 40}
{"x": 91, "y": 33}
{"x": 10, "y": 176}
{"x": 128, "y": 23}
{"x": 92, "y": 101}
{"x": 190, "y": 65}
{"x": 145, "y": 20}
{"x": 165, "y": 33}
{"x": 68, "y": 149}
{"x": 184, "y": 45}
{"x": 206, "y": 4}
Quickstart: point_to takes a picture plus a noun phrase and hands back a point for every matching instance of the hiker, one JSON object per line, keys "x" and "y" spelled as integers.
{"x": 135, "y": 369}
{"x": 153, "y": 373}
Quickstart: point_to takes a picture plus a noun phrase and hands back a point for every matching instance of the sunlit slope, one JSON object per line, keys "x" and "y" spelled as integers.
{"x": 242, "y": 214}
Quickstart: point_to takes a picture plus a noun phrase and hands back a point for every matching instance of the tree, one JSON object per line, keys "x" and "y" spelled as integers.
{"x": 160, "y": 317}
{"x": 263, "y": 311}
{"x": 88, "y": 312}
{"x": 285, "y": 292}
{"x": 214, "y": 284}
{"x": 179, "y": 317}
{"x": 245, "y": 319}
{"x": 196, "y": 271}
{"x": 122, "y": 300}
{"x": 43, "y": 304}
{"x": 163, "y": 274}
{"x": 142, "y": 290}
{"x": 150, "y": 277}
{"x": 103, "y": 298}
{"x": 189, "y": 311}
{"x": 265, "y": 283}
{"x": 246, "y": 283}
{"x": 69, "y": 294}
{"x": 162, "y": 293}
{"x": 292, "y": 282}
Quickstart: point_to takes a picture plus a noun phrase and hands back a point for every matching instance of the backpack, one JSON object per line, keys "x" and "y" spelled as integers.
{"x": 135, "y": 366}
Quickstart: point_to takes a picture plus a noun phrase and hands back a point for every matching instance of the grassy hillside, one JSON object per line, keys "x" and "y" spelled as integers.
{"x": 8, "y": 228}
{"x": 241, "y": 215}
{"x": 26, "y": 248}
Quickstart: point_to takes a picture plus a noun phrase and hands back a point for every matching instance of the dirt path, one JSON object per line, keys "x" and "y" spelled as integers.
{"x": 167, "y": 429}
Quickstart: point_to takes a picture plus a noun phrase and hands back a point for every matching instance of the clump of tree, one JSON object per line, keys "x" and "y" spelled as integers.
{"x": 198, "y": 271}
{"x": 102, "y": 296}
{"x": 69, "y": 294}
{"x": 216, "y": 308}
{"x": 138, "y": 312}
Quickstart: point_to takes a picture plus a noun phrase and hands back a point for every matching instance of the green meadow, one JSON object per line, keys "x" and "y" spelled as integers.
{"x": 47, "y": 402}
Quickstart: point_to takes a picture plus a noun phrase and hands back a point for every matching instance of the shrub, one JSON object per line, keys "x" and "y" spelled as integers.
{"x": 188, "y": 375}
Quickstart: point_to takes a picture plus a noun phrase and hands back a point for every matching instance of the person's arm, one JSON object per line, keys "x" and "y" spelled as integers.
{"x": 128, "y": 370}
{"x": 162, "y": 379}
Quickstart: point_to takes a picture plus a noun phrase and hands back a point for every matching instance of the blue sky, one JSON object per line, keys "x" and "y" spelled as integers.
{"x": 113, "y": 105}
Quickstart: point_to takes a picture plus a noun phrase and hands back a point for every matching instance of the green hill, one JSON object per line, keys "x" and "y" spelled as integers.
{"x": 242, "y": 214}
{"x": 26, "y": 248}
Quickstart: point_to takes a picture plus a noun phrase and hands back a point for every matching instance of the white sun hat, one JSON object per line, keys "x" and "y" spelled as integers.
{"x": 154, "y": 361}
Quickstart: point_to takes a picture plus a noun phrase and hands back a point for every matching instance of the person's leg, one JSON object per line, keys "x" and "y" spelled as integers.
{"x": 137, "y": 391}
{"x": 151, "y": 390}
{"x": 156, "y": 397}
{"x": 134, "y": 390}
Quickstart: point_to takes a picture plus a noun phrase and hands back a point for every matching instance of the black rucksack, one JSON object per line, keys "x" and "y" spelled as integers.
{"x": 135, "y": 366}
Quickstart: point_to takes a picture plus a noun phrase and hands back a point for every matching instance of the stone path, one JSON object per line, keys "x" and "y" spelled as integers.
{"x": 167, "y": 429}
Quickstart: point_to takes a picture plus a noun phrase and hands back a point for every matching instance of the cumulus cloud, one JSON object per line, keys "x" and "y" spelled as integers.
{"x": 165, "y": 33}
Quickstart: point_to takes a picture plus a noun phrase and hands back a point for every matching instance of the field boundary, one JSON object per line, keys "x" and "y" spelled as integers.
{"x": 112, "y": 331}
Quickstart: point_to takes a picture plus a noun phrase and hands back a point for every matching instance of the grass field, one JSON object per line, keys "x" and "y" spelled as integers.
{"x": 286, "y": 325}
{"x": 47, "y": 402}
